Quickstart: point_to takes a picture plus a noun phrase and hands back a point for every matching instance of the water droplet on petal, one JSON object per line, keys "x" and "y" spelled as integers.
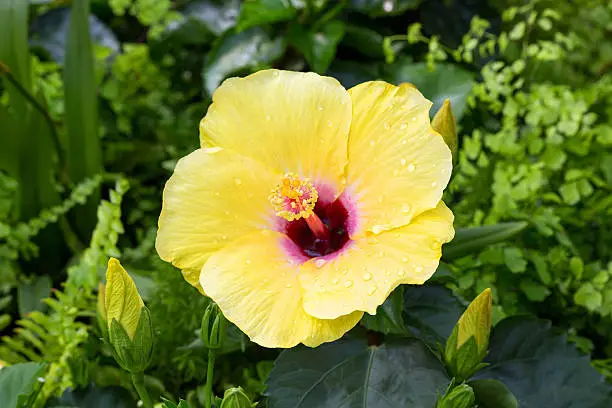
{"x": 400, "y": 272}
{"x": 405, "y": 208}
{"x": 288, "y": 285}
{"x": 419, "y": 269}
{"x": 372, "y": 143}
{"x": 414, "y": 118}
{"x": 376, "y": 229}
{"x": 435, "y": 245}
{"x": 403, "y": 126}
{"x": 344, "y": 271}
{"x": 387, "y": 126}
{"x": 223, "y": 236}
{"x": 275, "y": 73}
{"x": 396, "y": 172}
{"x": 248, "y": 261}
{"x": 237, "y": 181}
{"x": 348, "y": 284}
{"x": 320, "y": 107}
{"x": 268, "y": 118}
{"x": 367, "y": 276}
{"x": 380, "y": 199}
{"x": 330, "y": 123}
{"x": 319, "y": 263}
{"x": 335, "y": 281}
{"x": 433, "y": 184}
{"x": 371, "y": 290}
{"x": 403, "y": 162}
{"x": 404, "y": 141}
{"x": 404, "y": 259}
{"x": 411, "y": 167}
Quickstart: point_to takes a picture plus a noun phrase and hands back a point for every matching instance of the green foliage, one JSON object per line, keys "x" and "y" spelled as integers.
{"x": 19, "y": 384}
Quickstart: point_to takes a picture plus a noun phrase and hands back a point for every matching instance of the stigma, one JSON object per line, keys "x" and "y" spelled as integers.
{"x": 294, "y": 198}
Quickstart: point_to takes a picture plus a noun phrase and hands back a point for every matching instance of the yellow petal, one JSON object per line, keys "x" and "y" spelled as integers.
{"x": 291, "y": 121}
{"x": 214, "y": 196}
{"x": 254, "y": 282}
{"x": 362, "y": 277}
{"x": 121, "y": 299}
{"x": 398, "y": 165}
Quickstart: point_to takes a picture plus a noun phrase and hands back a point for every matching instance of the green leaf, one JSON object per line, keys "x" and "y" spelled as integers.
{"x": 83, "y": 140}
{"x": 492, "y": 394}
{"x": 446, "y": 81}
{"x": 200, "y": 21}
{"x": 381, "y": 8}
{"x": 388, "y": 317}
{"x": 588, "y": 296}
{"x": 461, "y": 396}
{"x": 535, "y": 291}
{"x": 350, "y": 374}
{"x": 262, "y": 12}
{"x": 318, "y": 47}
{"x": 94, "y": 397}
{"x": 367, "y": 41}
{"x": 541, "y": 368}
{"x": 50, "y": 32}
{"x": 471, "y": 240}
{"x": 351, "y": 73}
{"x": 18, "y": 382}
{"x": 30, "y": 295}
{"x": 247, "y": 50}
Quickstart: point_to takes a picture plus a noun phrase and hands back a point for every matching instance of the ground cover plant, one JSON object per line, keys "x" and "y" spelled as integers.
{"x": 111, "y": 231}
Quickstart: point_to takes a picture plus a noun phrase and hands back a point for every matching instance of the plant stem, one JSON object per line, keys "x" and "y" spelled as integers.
{"x": 209, "y": 378}
{"x": 138, "y": 380}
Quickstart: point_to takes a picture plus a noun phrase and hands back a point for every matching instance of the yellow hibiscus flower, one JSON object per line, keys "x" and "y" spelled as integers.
{"x": 307, "y": 203}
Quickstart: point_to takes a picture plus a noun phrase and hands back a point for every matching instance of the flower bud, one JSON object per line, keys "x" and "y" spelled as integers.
{"x": 129, "y": 323}
{"x": 469, "y": 340}
{"x": 236, "y": 398}
{"x": 461, "y": 396}
{"x": 444, "y": 123}
{"x": 213, "y": 330}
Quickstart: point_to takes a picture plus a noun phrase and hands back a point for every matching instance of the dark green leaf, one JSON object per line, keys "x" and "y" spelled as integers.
{"x": 349, "y": 374}
{"x": 262, "y": 12}
{"x": 431, "y": 312}
{"x": 367, "y": 41}
{"x": 378, "y": 8}
{"x": 93, "y": 397}
{"x": 18, "y": 382}
{"x": 239, "y": 52}
{"x": 351, "y": 73}
{"x": 216, "y": 17}
{"x": 31, "y": 294}
{"x": 446, "y": 81}
{"x": 83, "y": 141}
{"x": 318, "y": 47}
{"x": 388, "y": 317}
{"x": 493, "y": 394}
{"x": 541, "y": 368}
{"x": 50, "y": 31}
{"x": 470, "y": 240}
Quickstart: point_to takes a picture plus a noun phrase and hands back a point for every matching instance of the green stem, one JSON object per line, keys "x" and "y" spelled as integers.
{"x": 139, "y": 384}
{"x": 209, "y": 378}
{"x": 52, "y": 130}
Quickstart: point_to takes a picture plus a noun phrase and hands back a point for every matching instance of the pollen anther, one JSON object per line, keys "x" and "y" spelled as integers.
{"x": 294, "y": 197}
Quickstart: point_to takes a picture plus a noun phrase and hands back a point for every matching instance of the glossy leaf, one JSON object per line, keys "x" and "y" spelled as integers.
{"x": 493, "y": 394}
{"x": 82, "y": 128}
{"x": 239, "y": 52}
{"x": 204, "y": 18}
{"x": 261, "y": 12}
{"x": 18, "y": 383}
{"x": 50, "y": 32}
{"x": 541, "y": 368}
{"x": 349, "y": 374}
{"x": 94, "y": 397}
{"x": 470, "y": 240}
{"x": 446, "y": 81}
{"x": 351, "y": 73}
{"x": 318, "y": 47}
{"x": 379, "y": 8}
{"x": 388, "y": 317}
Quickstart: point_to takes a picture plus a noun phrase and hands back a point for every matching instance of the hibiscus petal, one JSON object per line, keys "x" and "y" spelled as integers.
{"x": 398, "y": 165}
{"x": 362, "y": 276}
{"x": 254, "y": 282}
{"x": 291, "y": 121}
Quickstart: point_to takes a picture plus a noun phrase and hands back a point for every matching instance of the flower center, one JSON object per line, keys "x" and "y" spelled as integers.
{"x": 318, "y": 227}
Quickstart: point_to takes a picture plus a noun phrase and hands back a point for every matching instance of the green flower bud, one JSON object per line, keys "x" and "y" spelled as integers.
{"x": 213, "y": 330}
{"x": 461, "y": 396}
{"x": 236, "y": 398}
{"x": 469, "y": 340}
{"x": 129, "y": 323}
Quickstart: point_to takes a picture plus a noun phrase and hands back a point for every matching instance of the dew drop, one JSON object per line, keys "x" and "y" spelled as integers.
{"x": 348, "y": 284}
{"x": 371, "y": 290}
{"x": 248, "y": 262}
{"x": 319, "y": 263}
{"x": 335, "y": 281}
{"x": 411, "y": 167}
{"x": 405, "y": 208}
{"x": 404, "y": 259}
{"x": 380, "y": 199}
{"x": 396, "y": 172}
{"x": 404, "y": 141}
{"x": 376, "y": 229}
{"x": 414, "y": 118}
{"x": 330, "y": 123}
{"x": 268, "y": 118}
{"x": 403, "y": 162}
{"x": 387, "y": 126}
{"x": 400, "y": 272}
{"x": 367, "y": 276}
{"x": 288, "y": 285}
{"x": 223, "y": 236}
{"x": 372, "y": 143}
{"x": 237, "y": 181}
{"x": 403, "y": 126}
{"x": 320, "y": 107}
{"x": 275, "y": 73}
{"x": 433, "y": 184}
{"x": 435, "y": 245}
{"x": 419, "y": 269}
{"x": 388, "y": 273}
{"x": 344, "y": 271}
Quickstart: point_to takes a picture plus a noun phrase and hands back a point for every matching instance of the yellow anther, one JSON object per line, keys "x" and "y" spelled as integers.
{"x": 294, "y": 198}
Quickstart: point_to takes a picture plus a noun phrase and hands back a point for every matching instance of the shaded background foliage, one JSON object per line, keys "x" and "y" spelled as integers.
{"x": 529, "y": 82}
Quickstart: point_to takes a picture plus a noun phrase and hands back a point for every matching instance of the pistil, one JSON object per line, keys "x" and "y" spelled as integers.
{"x": 318, "y": 228}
